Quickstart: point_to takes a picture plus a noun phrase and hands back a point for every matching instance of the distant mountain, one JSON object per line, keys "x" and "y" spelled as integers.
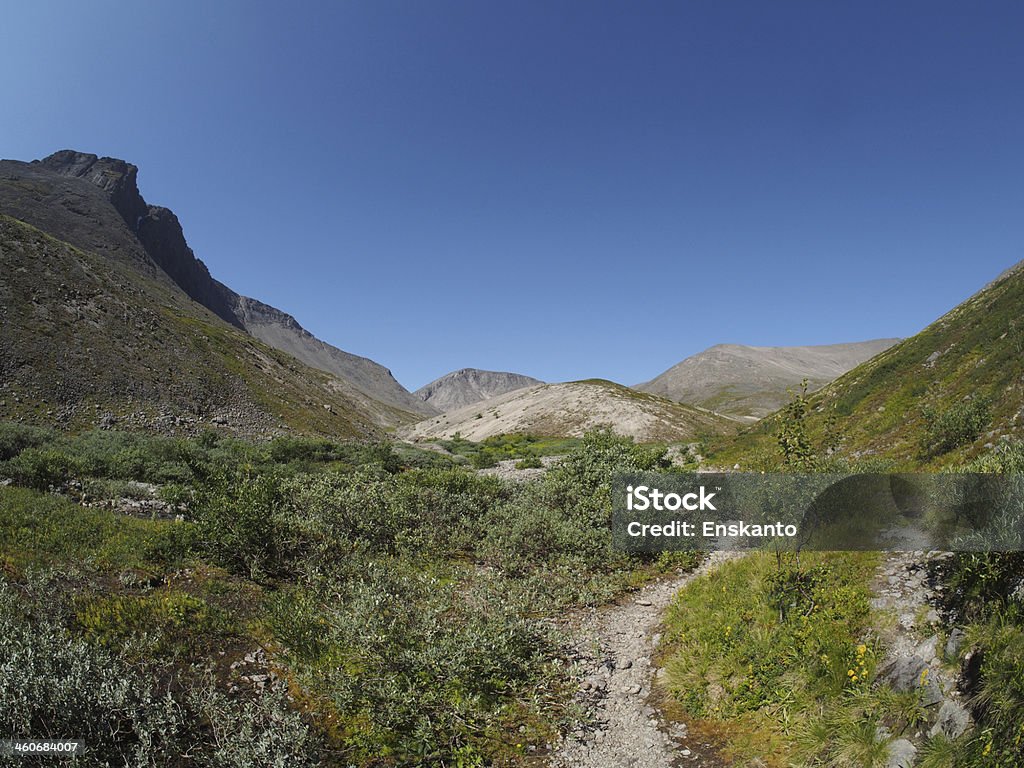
{"x": 751, "y": 382}
{"x": 571, "y": 409}
{"x": 470, "y": 385}
{"x": 94, "y": 204}
{"x": 966, "y": 369}
{"x": 106, "y": 309}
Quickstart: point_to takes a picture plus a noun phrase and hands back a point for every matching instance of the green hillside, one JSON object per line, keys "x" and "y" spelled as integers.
{"x": 935, "y": 399}
{"x": 86, "y": 339}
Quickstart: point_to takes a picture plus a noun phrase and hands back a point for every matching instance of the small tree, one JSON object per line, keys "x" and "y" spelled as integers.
{"x": 797, "y": 451}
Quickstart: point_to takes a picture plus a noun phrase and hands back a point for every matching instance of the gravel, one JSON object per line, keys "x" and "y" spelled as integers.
{"x": 623, "y": 728}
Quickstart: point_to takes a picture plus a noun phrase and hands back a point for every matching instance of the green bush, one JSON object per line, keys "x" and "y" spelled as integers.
{"x": 958, "y": 425}
{"x": 530, "y": 462}
{"x": 39, "y": 458}
{"x": 413, "y": 664}
{"x": 43, "y": 467}
{"x": 240, "y": 523}
{"x": 14, "y": 438}
{"x": 483, "y": 460}
{"x": 53, "y": 686}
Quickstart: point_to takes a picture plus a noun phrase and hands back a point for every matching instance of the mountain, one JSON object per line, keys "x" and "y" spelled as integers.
{"x": 937, "y": 398}
{"x": 281, "y": 331}
{"x": 107, "y": 315}
{"x": 751, "y": 382}
{"x": 86, "y": 340}
{"x": 470, "y": 385}
{"x": 59, "y": 196}
{"x": 571, "y": 409}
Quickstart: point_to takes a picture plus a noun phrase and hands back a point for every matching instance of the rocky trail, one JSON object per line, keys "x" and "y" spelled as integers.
{"x": 918, "y": 659}
{"x": 624, "y": 728}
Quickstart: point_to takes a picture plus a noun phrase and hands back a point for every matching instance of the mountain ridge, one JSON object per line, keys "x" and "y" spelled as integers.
{"x": 750, "y": 382}
{"x": 89, "y": 341}
{"x": 162, "y": 242}
{"x": 939, "y": 397}
{"x": 466, "y": 386}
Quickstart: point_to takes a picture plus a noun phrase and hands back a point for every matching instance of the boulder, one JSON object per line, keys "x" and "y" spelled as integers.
{"x": 902, "y": 754}
{"x": 953, "y": 643}
{"x": 953, "y": 720}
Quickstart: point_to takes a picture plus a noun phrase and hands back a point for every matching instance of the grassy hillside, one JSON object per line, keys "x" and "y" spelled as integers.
{"x": 935, "y": 399}
{"x": 85, "y": 338}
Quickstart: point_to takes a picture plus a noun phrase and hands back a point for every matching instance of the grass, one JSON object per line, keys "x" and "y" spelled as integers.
{"x": 38, "y": 529}
{"x": 775, "y": 659}
{"x": 913, "y": 402}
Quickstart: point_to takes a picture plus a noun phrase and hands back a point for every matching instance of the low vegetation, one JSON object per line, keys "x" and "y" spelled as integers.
{"x": 985, "y": 593}
{"x": 935, "y": 400}
{"x": 773, "y": 657}
{"x": 521, "y": 447}
{"x": 340, "y": 603}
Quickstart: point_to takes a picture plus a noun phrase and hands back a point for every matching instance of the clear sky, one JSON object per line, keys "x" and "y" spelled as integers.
{"x": 562, "y": 189}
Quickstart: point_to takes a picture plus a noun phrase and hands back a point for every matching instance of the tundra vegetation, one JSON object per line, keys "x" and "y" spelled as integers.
{"x": 314, "y": 603}
{"x": 773, "y": 657}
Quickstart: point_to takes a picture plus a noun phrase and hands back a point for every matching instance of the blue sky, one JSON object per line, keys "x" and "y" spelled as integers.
{"x": 563, "y": 189}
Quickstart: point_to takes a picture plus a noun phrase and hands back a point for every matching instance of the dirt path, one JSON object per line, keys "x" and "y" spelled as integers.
{"x": 615, "y": 647}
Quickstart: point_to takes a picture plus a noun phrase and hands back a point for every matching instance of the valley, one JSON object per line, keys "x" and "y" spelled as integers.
{"x": 294, "y": 560}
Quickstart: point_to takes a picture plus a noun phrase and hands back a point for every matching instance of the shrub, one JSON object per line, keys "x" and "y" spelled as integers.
{"x": 53, "y": 686}
{"x": 958, "y": 425}
{"x": 413, "y": 664}
{"x": 43, "y": 467}
{"x": 241, "y": 525}
{"x": 14, "y": 438}
{"x": 483, "y": 460}
{"x": 530, "y": 462}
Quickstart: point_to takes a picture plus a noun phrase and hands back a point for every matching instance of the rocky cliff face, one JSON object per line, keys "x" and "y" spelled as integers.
{"x": 58, "y": 194}
{"x": 470, "y": 385}
{"x": 157, "y": 228}
{"x": 115, "y": 177}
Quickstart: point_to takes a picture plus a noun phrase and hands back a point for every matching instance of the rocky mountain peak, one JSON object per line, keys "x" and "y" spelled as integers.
{"x": 470, "y": 385}
{"x": 86, "y": 196}
{"x": 117, "y": 178}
